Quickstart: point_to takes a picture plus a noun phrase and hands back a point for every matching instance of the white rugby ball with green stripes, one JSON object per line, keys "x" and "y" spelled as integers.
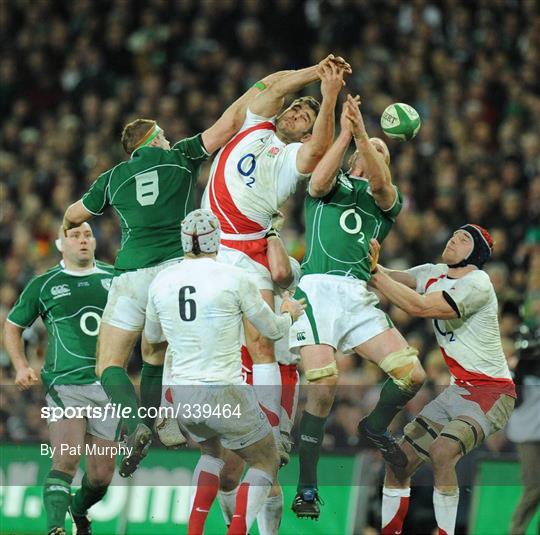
{"x": 400, "y": 121}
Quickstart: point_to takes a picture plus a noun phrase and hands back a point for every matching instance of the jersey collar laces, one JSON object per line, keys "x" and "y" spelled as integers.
{"x": 482, "y": 246}
{"x": 148, "y": 137}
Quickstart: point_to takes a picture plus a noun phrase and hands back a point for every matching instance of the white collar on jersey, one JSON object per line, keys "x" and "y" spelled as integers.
{"x": 354, "y": 177}
{"x": 83, "y": 273}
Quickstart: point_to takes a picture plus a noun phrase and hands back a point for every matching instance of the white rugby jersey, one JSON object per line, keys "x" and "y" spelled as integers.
{"x": 471, "y": 344}
{"x": 250, "y": 178}
{"x": 197, "y": 306}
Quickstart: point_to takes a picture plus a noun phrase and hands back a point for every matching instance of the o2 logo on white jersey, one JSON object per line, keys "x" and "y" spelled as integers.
{"x": 450, "y": 334}
{"x": 90, "y": 330}
{"x": 351, "y": 216}
{"x": 246, "y": 165}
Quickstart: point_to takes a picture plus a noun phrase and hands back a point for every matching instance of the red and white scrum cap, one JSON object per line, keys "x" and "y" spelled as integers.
{"x": 200, "y": 232}
{"x": 482, "y": 246}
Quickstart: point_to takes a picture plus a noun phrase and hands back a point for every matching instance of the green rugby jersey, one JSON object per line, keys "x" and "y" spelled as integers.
{"x": 151, "y": 193}
{"x": 340, "y": 226}
{"x": 71, "y": 304}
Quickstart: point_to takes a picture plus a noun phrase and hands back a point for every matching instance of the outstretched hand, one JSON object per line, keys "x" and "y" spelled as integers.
{"x": 352, "y": 106}
{"x": 292, "y": 306}
{"x": 374, "y": 251}
{"x": 344, "y": 121}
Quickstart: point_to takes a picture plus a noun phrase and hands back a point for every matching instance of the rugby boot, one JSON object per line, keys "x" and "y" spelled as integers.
{"x": 169, "y": 432}
{"x": 138, "y": 442}
{"x": 386, "y": 443}
{"x": 306, "y": 504}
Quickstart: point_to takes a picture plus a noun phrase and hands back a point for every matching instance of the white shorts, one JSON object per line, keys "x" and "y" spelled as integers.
{"x": 456, "y": 401}
{"x": 128, "y": 296}
{"x": 341, "y": 312}
{"x": 244, "y": 426}
{"x": 260, "y": 275}
{"x": 87, "y": 396}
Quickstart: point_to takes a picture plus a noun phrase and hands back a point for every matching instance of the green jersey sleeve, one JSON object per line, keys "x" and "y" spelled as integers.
{"x": 95, "y": 199}
{"x": 26, "y": 309}
{"x": 394, "y": 210}
{"x": 191, "y": 148}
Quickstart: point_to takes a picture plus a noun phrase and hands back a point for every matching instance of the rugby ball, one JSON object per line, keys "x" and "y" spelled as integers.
{"x": 400, "y": 121}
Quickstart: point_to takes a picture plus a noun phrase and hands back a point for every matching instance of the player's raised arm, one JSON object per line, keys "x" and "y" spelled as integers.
{"x": 76, "y": 214}
{"x": 324, "y": 175}
{"x": 270, "y": 101}
{"x": 232, "y": 118}
{"x": 375, "y": 156}
{"x": 315, "y": 147}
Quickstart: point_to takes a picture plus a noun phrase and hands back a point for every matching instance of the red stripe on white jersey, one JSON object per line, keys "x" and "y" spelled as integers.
{"x": 500, "y": 385}
{"x": 232, "y": 220}
{"x": 431, "y": 281}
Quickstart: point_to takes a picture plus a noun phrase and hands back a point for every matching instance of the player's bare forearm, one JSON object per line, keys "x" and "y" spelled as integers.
{"x": 234, "y": 116}
{"x": 432, "y": 305}
{"x": 14, "y": 345}
{"x": 269, "y": 102}
{"x": 324, "y": 175}
{"x": 312, "y": 151}
{"x": 378, "y": 173}
{"x": 76, "y": 215}
{"x": 278, "y": 260}
{"x": 400, "y": 276}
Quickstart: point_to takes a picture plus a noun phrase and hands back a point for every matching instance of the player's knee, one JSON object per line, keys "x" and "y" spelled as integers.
{"x": 66, "y": 463}
{"x": 442, "y": 452}
{"x": 228, "y": 482}
{"x": 404, "y": 369}
{"x": 101, "y": 478}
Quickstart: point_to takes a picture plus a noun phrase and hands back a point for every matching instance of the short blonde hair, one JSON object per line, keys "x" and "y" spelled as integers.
{"x": 134, "y": 132}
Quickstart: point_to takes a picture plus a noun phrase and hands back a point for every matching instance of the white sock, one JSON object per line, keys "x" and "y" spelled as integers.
{"x": 269, "y": 517}
{"x": 267, "y": 385}
{"x": 445, "y": 506}
{"x": 227, "y": 502}
{"x": 250, "y": 497}
{"x": 395, "y": 503}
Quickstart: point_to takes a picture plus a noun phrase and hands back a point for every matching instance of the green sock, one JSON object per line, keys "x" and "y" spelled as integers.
{"x": 86, "y": 496}
{"x": 391, "y": 401}
{"x": 116, "y": 383}
{"x": 311, "y": 437}
{"x": 56, "y": 498}
{"x": 151, "y": 379}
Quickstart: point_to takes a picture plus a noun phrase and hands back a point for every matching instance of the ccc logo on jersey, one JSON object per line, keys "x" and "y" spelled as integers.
{"x": 60, "y": 290}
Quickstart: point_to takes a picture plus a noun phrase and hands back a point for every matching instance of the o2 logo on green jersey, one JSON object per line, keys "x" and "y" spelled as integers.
{"x": 351, "y": 216}
{"x": 147, "y": 187}
{"x": 88, "y": 327}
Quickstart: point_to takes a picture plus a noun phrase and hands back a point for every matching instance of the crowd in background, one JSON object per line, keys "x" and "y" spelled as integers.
{"x": 73, "y": 73}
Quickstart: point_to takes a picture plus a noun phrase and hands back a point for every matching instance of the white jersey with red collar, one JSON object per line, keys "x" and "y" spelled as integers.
{"x": 471, "y": 344}
{"x": 250, "y": 178}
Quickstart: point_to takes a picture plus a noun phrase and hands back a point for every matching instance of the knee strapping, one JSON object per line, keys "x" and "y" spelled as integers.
{"x": 420, "y": 433}
{"x": 463, "y": 432}
{"x": 400, "y": 365}
{"x": 320, "y": 373}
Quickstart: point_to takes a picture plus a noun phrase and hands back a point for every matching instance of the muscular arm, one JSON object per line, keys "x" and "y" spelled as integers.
{"x": 278, "y": 260}
{"x": 76, "y": 215}
{"x": 400, "y": 276}
{"x": 432, "y": 305}
{"x": 324, "y": 175}
{"x": 230, "y": 122}
{"x": 270, "y": 101}
{"x": 376, "y": 169}
{"x": 25, "y": 375}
